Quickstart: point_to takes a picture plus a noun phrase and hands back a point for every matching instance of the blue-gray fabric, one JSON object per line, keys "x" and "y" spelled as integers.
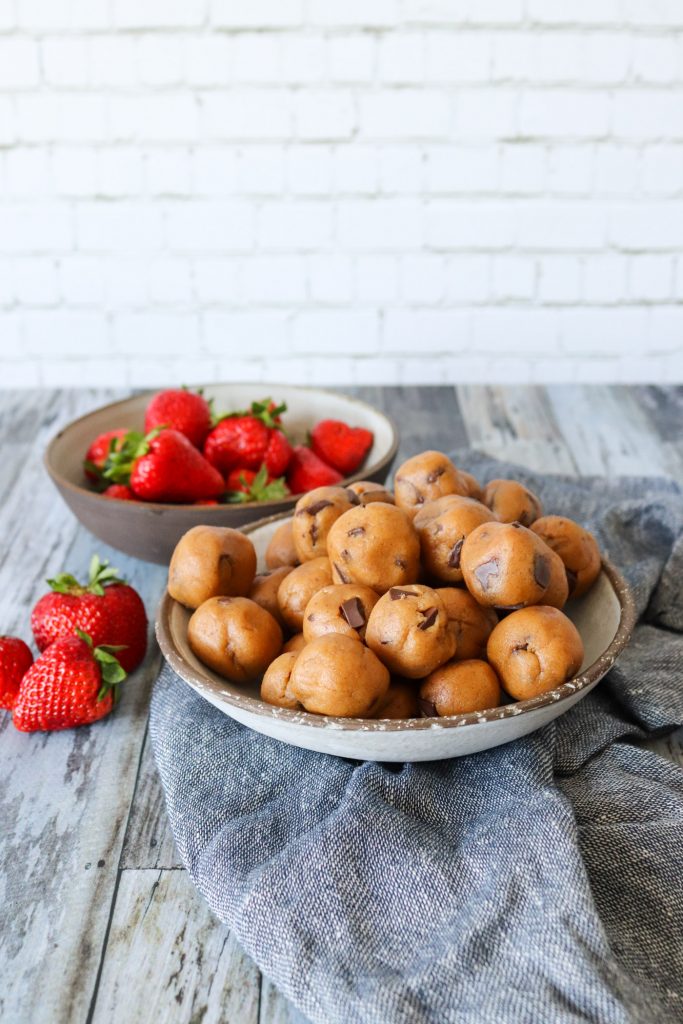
{"x": 538, "y": 882}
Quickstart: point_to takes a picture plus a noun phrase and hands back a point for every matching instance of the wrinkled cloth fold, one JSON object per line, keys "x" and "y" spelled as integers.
{"x": 540, "y": 881}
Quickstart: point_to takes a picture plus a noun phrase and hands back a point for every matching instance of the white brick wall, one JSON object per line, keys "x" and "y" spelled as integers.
{"x": 384, "y": 191}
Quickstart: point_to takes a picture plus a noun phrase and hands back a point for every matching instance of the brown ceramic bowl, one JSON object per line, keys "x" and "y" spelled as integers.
{"x": 149, "y": 530}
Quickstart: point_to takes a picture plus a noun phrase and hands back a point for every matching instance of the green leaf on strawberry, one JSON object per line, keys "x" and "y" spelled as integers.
{"x": 259, "y": 489}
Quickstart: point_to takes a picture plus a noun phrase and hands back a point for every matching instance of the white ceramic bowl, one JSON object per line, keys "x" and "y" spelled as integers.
{"x": 604, "y": 616}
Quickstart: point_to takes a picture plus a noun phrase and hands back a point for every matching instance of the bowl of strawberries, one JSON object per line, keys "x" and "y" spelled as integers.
{"x": 141, "y": 472}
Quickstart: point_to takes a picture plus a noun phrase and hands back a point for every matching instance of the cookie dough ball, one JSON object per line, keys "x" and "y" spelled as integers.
{"x": 295, "y": 643}
{"x": 577, "y": 548}
{"x": 408, "y": 630}
{"x": 506, "y": 566}
{"x": 369, "y": 491}
{"x": 424, "y": 478}
{"x": 459, "y": 688}
{"x": 400, "y": 701}
{"x": 281, "y": 550}
{"x": 235, "y": 637}
{"x": 534, "y": 650}
{"x": 297, "y": 589}
{"x": 470, "y": 622}
{"x": 443, "y": 535}
{"x": 336, "y": 675}
{"x": 314, "y": 514}
{"x": 474, "y": 488}
{"x": 512, "y": 502}
{"x": 342, "y": 608}
{"x": 375, "y": 545}
{"x": 558, "y": 589}
{"x": 211, "y": 561}
{"x": 264, "y": 590}
{"x": 276, "y": 680}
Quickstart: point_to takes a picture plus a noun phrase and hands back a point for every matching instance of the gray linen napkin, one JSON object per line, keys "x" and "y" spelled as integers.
{"x": 537, "y": 882}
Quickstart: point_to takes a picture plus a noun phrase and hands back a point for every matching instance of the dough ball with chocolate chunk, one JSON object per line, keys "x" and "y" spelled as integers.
{"x": 342, "y": 608}
{"x": 459, "y": 688}
{"x": 408, "y": 630}
{"x": 375, "y": 545}
{"x": 264, "y": 590}
{"x": 512, "y": 502}
{"x": 400, "y": 700}
{"x": 276, "y": 680}
{"x": 235, "y": 637}
{"x": 281, "y": 550}
{"x": 211, "y": 561}
{"x": 336, "y": 675}
{"x": 314, "y": 514}
{"x": 474, "y": 488}
{"x": 368, "y": 491}
{"x": 297, "y": 589}
{"x": 443, "y": 535}
{"x": 470, "y": 622}
{"x": 535, "y": 650}
{"x": 295, "y": 643}
{"x": 425, "y": 477}
{"x": 558, "y": 588}
{"x": 506, "y": 566}
{"x": 577, "y": 548}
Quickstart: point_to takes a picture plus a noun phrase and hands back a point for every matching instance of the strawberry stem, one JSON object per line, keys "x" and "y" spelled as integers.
{"x": 260, "y": 489}
{"x": 100, "y": 575}
{"x": 119, "y": 463}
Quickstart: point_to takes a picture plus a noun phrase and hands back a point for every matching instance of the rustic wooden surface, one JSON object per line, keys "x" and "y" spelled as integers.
{"x": 98, "y": 920}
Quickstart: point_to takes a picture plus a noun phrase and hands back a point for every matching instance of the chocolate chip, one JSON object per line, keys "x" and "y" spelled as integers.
{"x": 314, "y": 532}
{"x": 435, "y": 474}
{"x": 430, "y": 615}
{"x": 572, "y": 580}
{"x": 486, "y": 570}
{"x": 352, "y": 610}
{"x": 316, "y": 507}
{"x": 542, "y": 570}
{"x": 427, "y": 709}
{"x": 397, "y": 595}
{"x": 516, "y": 525}
{"x": 400, "y": 563}
{"x": 454, "y": 557}
{"x": 357, "y": 531}
{"x": 520, "y": 647}
{"x": 352, "y": 496}
{"x": 341, "y": 574}
{"x": 346, "y": 554}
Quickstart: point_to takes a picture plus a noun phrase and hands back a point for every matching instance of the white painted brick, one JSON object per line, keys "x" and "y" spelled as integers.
{"x": 494, "y": 12}
{"x": 511, "y": 56}
{"x": 218, "y": 281}
{"x": 80, "y": 333}
{"x": 602, "y": 332}
{"x": 355, "y": 169}
{"x": 20, "y": 375}
{"x": 499, "y": 330}
{"x": 351, "y": 58}
{"x": 7, "y": 18}
{"x": 169, "y": 281}
{"x": 523, "y": 168}
{"x": 460, "y": 225}
{"x": 379, "y": 14}
{"x": 656, "y": 59}
{"x": 382, "y": 224}
{"x": 18, "y": 63}
{"x": 648, "y": 114}
{"x": 645, "y": 226}
{"x": 486, "y": 113}
{"x": 79, "y": 15}
{"x": 458, "y": 169}
{"x": 118, "y": 226}
{"x": 650, "y": 279}
{"x": 64, "y": 117}
{"x": 203, "y": 226}
{"x": 559, "y": 280}
{"x": 570, "y": 170}
{"x": 513, "y": 278}
{"x": 251, "y": 114}
{"x": 27, "y": 172}
{"x": 35, "y": 227}
{"x": 335, "y": 330}
{"x": 257, "y": 13}
{"x": 580, "y": 12}
{"x": 261, "y": 170}
{"x": 96, "y": 373}
{"x": 6, "y": 286}
{"x": 552, "y": 371}
{"x": 8, "y": 132}
{"x": 616, "y": 170}
{"x": 426, "y": 330}
{"x": 35, "y": 281}
{"x": 422, "y": 278}
{"x": 662, "y": 172}
{"x": 155, "y": 333}
{"x": 126, "y": 281}
{"x": 65, "y": 61}
{"x": 665, "y": 332}
{"x": 558, "y": 226}
{"x": 303, "y": 58}
{"x": 401, "y": 169}
{"x": 404, "y": 113}
{"x": 158, "y": 13}
{"x": 82, "y": 280}
{"x": 467, "y": 279}
{"x": 604, "y": 279}
{"x": 301, "y": 226}
{"x": 120, "y": 172}
{"x": 324, "y": 115}
{"x": 256, "y": 57}
{"x": 168, "y": 171}
{"x": 309, "y": 170}
{"x": 376, "y": 278}
{"x": 555, "y": 56}
{"x": 113, "y": 60}
{"x": 209, "y": 59}
{"x": 161, "y": 59}
{"x": 75, "y": 171}
{"x": 178, "y": 372}
{"x": 274, "y": 280}
{"x": 457, "y": 57}
{"x": 259, "y": 334}
{"x": 159, "y": 117}
{"x": 653, "y": 12}
{"x": 330, "y": 278}
{"x": 214, "y": 169}
{"x": 401, "y": 58}
{"x": 605, "y": 57}
{"x": 546, "y": 113}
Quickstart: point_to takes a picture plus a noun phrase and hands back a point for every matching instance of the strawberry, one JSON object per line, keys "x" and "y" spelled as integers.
{"x": 164, "y": 466}
{"x": 106, "y": 608}
{"x": 72, "y": 683}
{"x": 237, "y": 441}
{"x": 247, "y": 485}
{"x": 307, "y": 471}
{"x": 206, "y": 501}
{"x": 185, "y": 411}
{"x": 119, "y": 491}
{"x": 97, "y": 453}
{"x": 277, "y": 454}
{"x": 340, "y": 445}
{"x": 15, "y": 661}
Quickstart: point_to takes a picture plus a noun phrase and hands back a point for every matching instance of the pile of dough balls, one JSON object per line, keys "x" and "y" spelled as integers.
{"x": 429, "y": 601}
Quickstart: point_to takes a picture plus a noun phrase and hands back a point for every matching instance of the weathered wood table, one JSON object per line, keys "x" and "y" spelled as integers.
{"x": 98, "y": 921}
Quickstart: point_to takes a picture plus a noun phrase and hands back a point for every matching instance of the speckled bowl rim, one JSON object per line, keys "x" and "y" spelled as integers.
{"x": 591, "y": 675}
{"x": 209, "y": 510}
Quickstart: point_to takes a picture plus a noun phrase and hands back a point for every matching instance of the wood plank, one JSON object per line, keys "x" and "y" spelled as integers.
{"x": 168, "y": 959}
{"x": 149, "y": 841}
{"x": 427, "y": 417}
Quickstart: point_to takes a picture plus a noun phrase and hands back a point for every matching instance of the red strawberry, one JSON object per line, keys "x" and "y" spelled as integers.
{"x": 15, "y": 661}
{"x": 206, "y": 501}
{"x": 71, "y": 684}
{"x": 246, "y": 485}
{"x": 340, "y": 445}
{"x": 164, "y": 466}
{"x": 185, "y": 411}
{"x": 106, "y": 608}
{"x": 97, "y": 453}
{"x": 237, "y": 441}
{"x": 277, "y": 454}
{"x": 119, "y": 491}
{"x": 307, "y": 471}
